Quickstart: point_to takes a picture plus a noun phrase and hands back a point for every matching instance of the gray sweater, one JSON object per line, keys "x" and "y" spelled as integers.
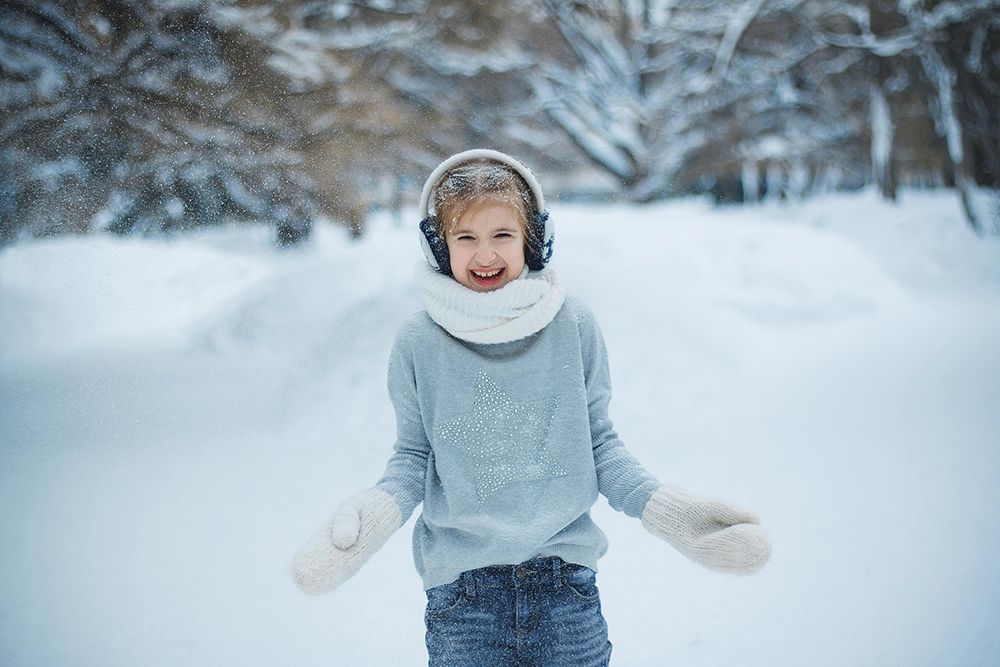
{"x": 507, "y": 445}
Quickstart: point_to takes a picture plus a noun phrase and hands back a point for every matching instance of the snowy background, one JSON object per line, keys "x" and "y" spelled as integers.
{"x": 177, "y": 417}
{"x": 145, "y": 116}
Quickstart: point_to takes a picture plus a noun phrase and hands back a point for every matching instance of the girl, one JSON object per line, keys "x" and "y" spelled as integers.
{"x": 501, "y": 390}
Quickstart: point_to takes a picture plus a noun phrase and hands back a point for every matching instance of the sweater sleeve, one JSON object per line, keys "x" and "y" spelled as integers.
{"x": 405, "y": 473}
{"x": 620, "y": 477}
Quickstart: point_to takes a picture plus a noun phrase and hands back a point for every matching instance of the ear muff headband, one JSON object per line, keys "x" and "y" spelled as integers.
{"x": 475, "y": 154}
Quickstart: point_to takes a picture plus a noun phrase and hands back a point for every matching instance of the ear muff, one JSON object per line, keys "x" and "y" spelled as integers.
{"x": 538, "y": 250}
{"x": 435, "y": 245}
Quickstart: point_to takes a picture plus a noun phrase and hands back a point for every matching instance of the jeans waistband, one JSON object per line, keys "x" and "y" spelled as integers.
{"x": 546, "y": 571}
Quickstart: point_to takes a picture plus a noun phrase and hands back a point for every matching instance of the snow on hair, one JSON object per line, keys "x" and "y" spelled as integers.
{"x": 476, "y": 181}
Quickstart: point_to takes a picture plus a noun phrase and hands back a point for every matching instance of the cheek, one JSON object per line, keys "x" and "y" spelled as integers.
{"x": 515, "y": 254}
{"x": 458, "y": 255}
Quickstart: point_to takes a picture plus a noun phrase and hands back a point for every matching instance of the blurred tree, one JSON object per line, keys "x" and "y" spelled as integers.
{"x": 673, "y": 96}
{"x": 936, "y": 61}
{"x": 440, "y": 75}
{"x": 359, "y": 133}
{"x": 777, "y": 122}
{"x": 137, "y": 116}
{"x": 751, "y": 98}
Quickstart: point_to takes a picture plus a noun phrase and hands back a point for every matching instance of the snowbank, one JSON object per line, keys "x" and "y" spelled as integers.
{"x": 177, "y": 417}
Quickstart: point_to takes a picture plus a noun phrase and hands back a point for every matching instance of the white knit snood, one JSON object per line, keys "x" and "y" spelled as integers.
{"x": 520, "y": 308}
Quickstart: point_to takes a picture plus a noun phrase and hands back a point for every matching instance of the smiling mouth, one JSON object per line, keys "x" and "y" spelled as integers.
{"x": 487, "y": 278}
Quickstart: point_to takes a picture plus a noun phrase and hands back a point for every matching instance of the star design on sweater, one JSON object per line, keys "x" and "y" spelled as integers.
{"x": 505, "y": 440}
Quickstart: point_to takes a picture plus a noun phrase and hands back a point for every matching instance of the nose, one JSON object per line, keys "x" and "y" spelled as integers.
{"x": 485, "y": 254}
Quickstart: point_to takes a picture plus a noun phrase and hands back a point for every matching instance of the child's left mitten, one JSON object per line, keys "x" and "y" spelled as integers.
{"x": 714, "y": 533}
{"x": 358, "y": 528}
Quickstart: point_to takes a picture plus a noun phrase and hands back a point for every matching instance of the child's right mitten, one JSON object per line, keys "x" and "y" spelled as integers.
{"x": 358, "y": 528}
{"x": 714, "y": 533}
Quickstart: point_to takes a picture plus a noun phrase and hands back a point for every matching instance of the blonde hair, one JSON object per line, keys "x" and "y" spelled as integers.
{"x": 477, "y": 181}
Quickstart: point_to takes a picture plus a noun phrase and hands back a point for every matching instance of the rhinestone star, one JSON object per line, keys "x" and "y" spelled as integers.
{"x": 505, "y": 440}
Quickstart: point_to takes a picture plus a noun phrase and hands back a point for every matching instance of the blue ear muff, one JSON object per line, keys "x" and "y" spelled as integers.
{"x": 437, "y": 245}
{"x": 539, "y": 250}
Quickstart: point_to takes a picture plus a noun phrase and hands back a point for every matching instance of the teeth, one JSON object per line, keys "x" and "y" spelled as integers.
{"x": 487, "y": 275}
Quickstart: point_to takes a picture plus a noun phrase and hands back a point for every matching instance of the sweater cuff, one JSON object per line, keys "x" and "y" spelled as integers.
{"x": 636, "y": 501}
{"x": 401, "y": 498}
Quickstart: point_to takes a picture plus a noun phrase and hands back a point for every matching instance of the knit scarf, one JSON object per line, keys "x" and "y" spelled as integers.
{"x": 516, "y": 310}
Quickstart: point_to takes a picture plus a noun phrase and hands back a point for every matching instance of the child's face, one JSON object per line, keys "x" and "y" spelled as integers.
{"x": 486, "y": 246}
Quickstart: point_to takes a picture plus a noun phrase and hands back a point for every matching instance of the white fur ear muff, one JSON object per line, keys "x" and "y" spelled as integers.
{"x": 476, "y": 154}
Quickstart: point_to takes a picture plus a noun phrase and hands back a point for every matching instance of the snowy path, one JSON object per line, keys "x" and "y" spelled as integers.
{"x": 177, "y": 418}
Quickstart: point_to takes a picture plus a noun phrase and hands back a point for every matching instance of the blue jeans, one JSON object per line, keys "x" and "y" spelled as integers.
{"x": 542, "y": 613}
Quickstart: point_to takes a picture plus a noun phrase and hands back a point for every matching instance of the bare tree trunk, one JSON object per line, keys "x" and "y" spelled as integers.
{"x": 882, "y": 140}
{"x": 751, "y": 182}
{"x": 944, "y": 77}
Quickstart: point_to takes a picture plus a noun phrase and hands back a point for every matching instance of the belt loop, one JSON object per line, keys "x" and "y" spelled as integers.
{"x": 470, "y": 584}
{"x": 557, "y": 579}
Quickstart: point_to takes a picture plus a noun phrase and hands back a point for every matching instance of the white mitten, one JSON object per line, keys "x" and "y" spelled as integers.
{"x": 713, "y": 533}
{"x": 358, "y": 528}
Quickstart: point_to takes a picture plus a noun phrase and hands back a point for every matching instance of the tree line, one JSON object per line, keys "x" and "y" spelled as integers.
{"x": 153, "y": 115}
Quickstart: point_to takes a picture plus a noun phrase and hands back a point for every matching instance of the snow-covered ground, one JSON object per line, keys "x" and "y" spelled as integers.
{"x": 178, "y": 417}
